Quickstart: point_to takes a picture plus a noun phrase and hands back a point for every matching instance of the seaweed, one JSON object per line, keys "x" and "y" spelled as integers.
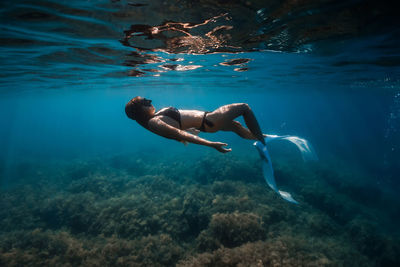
{"x": 186, "y": 213}
{"x": 282, "y": 251}
{"x": 231, "y": 230}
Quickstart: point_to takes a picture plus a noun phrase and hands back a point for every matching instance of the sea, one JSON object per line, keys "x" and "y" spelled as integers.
{"x": 81, "y": 184}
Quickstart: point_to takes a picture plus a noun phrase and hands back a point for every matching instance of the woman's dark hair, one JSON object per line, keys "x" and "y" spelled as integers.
{"x": 133, "y": 108}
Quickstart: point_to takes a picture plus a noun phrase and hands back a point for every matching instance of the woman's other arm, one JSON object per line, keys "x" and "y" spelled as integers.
{"x": 157, "y": 126}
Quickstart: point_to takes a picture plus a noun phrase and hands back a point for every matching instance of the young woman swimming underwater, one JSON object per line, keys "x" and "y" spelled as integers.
{"x": 183, "y": 125}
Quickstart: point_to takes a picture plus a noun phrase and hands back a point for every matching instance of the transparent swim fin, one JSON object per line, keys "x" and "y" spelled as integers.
{"x": 287, "y": 196}
{"x": 268, "y": 172}
{"x": 306, "y": 149}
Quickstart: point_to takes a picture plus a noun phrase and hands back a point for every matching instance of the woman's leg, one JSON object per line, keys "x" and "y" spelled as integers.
{"x": 224, "y": 116}
{"x": 240, "y": 130}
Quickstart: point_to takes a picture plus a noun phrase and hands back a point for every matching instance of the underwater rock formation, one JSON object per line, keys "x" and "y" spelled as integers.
{"x": 234, "y": 229}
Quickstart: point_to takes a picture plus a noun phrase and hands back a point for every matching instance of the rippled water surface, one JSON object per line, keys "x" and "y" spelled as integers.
{"x": 328, "y": 71}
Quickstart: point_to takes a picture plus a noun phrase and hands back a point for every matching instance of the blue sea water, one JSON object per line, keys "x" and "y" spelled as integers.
{"x": 327, "y": 72}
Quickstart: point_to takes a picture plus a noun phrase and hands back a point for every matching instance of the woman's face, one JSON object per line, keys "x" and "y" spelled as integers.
{"x": 147, "y": 106}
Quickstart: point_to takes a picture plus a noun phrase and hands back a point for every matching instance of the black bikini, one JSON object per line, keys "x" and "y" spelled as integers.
{"x": 171, "y": 112}
{"x": 205, "y": 121}
{"x": 174, "y": 113}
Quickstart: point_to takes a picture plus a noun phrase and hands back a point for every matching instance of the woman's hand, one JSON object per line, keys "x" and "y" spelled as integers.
{"x": 220, "y": 147}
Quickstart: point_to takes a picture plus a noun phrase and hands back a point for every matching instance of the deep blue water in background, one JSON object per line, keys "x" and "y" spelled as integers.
{"x": 330, "y": 74}
{"x": 66, "y": 74}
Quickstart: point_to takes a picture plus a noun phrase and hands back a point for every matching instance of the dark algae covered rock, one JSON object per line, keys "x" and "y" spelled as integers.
{"x": 234, "y": 229}
{"x": 91, "y": 214}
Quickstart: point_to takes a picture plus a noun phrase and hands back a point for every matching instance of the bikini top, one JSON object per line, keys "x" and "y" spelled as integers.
{"x": 171, "y": 112}
{"x": 174, "y": 113}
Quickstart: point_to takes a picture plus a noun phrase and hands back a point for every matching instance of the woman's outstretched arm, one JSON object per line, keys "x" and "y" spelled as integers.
{"x": 157, "y": 126}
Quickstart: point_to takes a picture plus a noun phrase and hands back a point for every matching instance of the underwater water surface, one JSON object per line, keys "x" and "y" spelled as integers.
{"x": 83, "y": 185}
